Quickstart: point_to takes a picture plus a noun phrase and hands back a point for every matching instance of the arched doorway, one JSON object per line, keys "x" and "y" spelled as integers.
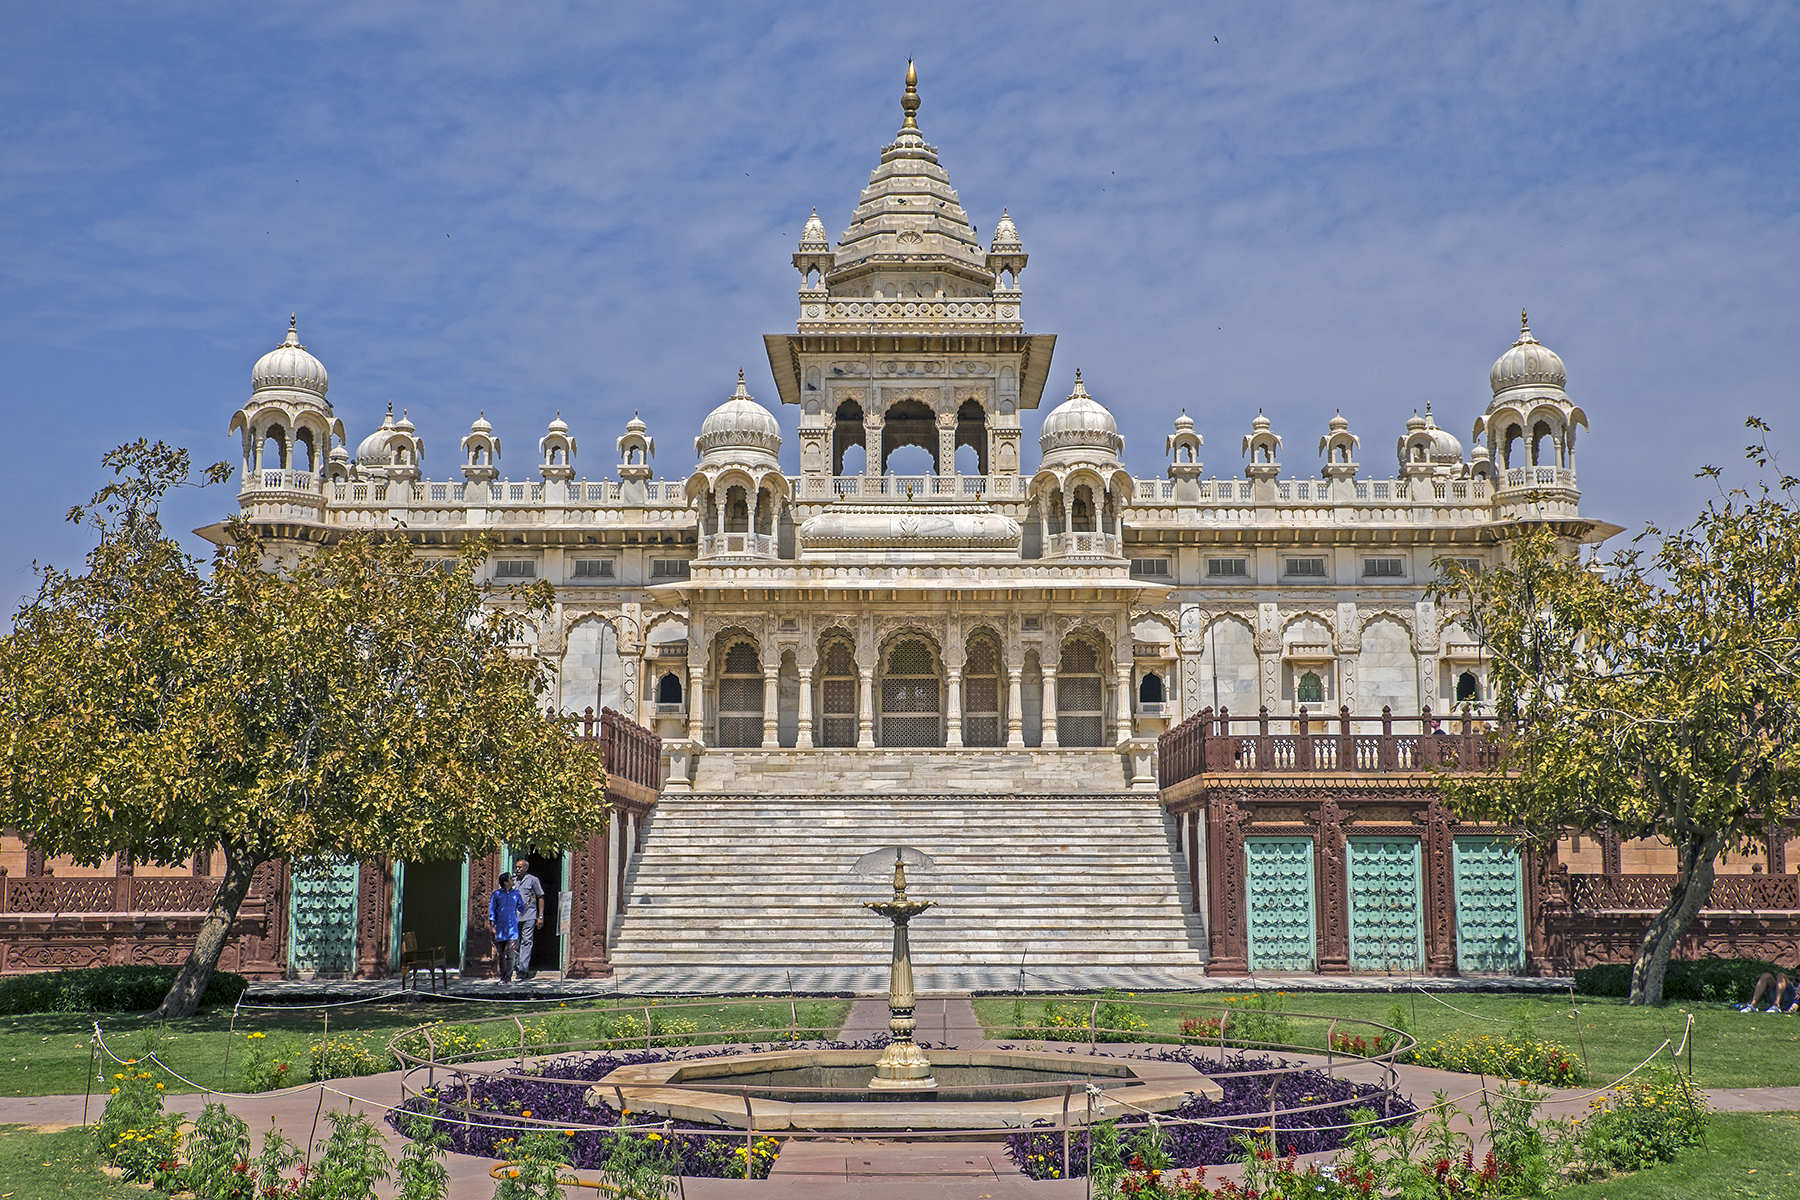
{"x": 740, "y": 696}
{"x": 1080, "y": 696}
{"x": 837, "y": 695}
{"x": 911, "y": 695}
{"x": 982, "y": 725}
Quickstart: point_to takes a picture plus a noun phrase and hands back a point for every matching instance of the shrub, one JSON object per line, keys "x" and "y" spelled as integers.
{"x": 268, "y": 1068}
{"x": 1111, "y": 1020}
{"x": 105, "y": 989}
{"x": 218, "y": 1156}
{"x": 419, "y": 1173}
{"x": 352, "y": 1160}
{"x": 1356, "y": 1043}
{"x": 1259, "y": 1020}
{"x": 1642, "y": 1122}
{"x": 346, "y": 1055}
{"x": 134, "y": 1133}
{"x": 1720, "y": 979}
{"x": 1515, "y": 1055}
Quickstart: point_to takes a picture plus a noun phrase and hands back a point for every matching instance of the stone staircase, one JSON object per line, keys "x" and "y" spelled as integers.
{"x": 1081, "y": 887}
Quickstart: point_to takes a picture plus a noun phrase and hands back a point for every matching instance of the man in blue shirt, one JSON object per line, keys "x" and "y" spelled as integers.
{"x": 503, "y": 919}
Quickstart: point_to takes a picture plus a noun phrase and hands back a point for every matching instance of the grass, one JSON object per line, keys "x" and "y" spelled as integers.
{"x": 49, "y": 1053}
{"x": 1748, "y": 1156}
{"x": 1730, "y": 1049}
{"x": 35, "y": 1165}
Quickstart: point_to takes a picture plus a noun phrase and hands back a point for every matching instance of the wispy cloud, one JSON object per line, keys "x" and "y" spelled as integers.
{"x": 531, "y": 208}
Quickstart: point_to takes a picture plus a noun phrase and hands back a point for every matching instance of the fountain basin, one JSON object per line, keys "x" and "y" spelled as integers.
{"x": 976, "y": 1089}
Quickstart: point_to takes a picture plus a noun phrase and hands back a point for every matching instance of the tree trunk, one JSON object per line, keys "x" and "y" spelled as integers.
{"x": 197, "y": 971}
{"x": 1698, "y": 855}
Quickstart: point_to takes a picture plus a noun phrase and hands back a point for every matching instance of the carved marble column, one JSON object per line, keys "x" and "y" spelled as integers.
{"x": 696, "y": 701}
{"x": 1122, "y": 688}
{"x": 872, "y": 426}
{"x": 946, "y": 455}
{"x": 803, "y": 736}
{"x": 865, "y": 708}
{"x": 953, "y": 708}
{"x": 1015, "y": 700}
{"x": 1049, "y": 722}
{"x": 772, "y": 702}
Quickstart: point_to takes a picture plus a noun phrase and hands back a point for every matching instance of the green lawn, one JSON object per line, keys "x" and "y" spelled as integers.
{"x": 1748, "y": 1156}
{"x": 48, "y": 1053}
{"x": 1730, "y": 1049}
{"x": 38, "y": 1166}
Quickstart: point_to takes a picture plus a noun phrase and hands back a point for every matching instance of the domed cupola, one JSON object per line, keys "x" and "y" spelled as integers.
{"x": 1080, "y": 427}
{"x": 739, "y": 430}
{"x": 1006, "y": 255}
{"x": 393, "y": 451}
{"x": 813, "y": 257}
{"x": 1446, "y": 450}
{"x": 290, "y": 366}
{"x": 375, "y": 450}
{"x": 1527, "y": 363}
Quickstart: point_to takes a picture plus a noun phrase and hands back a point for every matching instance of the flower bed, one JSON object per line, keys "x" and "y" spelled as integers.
{"x": 1244, "y": 1108}
{"x": 1514, "y": 1056}
{"x": 512, "y": 1107}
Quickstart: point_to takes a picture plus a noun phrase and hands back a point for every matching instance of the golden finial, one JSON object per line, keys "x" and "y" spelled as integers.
{"x": 293, "y": 318}
{"x": 740, "y": 377}
{"x": 1524, "y": 322}
{"x": 909, "y": 101}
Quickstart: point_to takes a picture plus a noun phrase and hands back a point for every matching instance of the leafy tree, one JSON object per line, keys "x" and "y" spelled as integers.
{"x": 1657, "y": 691}
{"x": 350, "y": 701}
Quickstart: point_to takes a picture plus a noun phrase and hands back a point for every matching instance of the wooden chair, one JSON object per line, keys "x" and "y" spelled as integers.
{"x": 431, "y": 960}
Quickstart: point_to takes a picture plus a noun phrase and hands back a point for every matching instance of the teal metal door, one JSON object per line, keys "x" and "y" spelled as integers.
{"x": 1490, "y": 905}
{"x": 1279, "y": 903}
{"x": 1387, "y": 925}
{"x": 322, "y": 920}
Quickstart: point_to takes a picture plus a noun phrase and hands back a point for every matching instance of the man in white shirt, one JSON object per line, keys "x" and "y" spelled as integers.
{"x": 531, "y": 913}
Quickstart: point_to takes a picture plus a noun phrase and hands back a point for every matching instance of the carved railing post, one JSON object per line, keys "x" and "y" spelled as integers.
{"x": 1388, "y": 755}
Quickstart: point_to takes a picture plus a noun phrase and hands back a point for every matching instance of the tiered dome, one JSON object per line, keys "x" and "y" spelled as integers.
{"x": 376, "y": 450}
{"x": 290, "y": 366}
{"x": 1445, "y": 448}
{"x": 1527, "y": 363}
{"x": 1006, "y": 235}
{"x": 739, "y": 424}
{"x": 1080, "y": 422}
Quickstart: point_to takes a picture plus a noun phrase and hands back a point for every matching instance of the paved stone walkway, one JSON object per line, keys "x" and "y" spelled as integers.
{"x": 928, "y": 980}
{"x": 827, "y": 1168}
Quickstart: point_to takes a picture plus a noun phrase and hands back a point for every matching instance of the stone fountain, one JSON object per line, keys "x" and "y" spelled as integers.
{"x": 799, "y": 1089}
{"x": 903, "y": 1065}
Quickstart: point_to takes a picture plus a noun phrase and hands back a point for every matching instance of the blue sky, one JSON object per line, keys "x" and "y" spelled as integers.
{"x": 533, "y": 208}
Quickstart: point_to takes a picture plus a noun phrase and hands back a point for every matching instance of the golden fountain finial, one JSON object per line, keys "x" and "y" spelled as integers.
{"x": 909, "y": 101}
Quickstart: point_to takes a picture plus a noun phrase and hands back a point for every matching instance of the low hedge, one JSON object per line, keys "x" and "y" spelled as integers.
{"x": 105, "y": 989}
{"x": 1722, "y": 979}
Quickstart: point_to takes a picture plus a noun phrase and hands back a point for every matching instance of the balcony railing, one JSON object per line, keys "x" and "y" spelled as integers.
{"x": 1649, "y": 893}
{"x": 282, "y": 481}
{"x": 1538, "y": 477}
{"x": 627, "y": 750}
{"x": 1064, "y": 545}
{"x": 1217, "y": 743}
{"x": 759, "y": 545}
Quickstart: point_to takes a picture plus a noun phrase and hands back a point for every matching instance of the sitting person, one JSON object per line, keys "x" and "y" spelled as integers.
{"x": 1780, "y": 989}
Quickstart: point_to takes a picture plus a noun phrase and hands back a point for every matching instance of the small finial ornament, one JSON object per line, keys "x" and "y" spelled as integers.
{"x": 909, "y": 100}
{"x": 1524, "y": 322}
{"x": 293, "y": 319}
{"x": 740, "y": 376}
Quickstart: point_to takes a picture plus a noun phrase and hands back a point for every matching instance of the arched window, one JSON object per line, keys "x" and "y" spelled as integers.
{"x": 737, "y": 510}
{"x": 274, "y": 449}
{"x": 847, "y": 432}
{"x": 1309, "y": 689}
{"x": 1468, "y": 688}
{"x": 910, "y": 696}
{"x": 837, "y": 695}
{"x": 1150, "y": 688}
{"x": 971, "y": 432}
{"x": 1080, "y": 696}
{"x": 981, "y": 692}
{"x": 1543, "y": 445}
{"x": 1081, "y": 510}
{"x": 741, "y": 697}
{"x": 668, "y": 689}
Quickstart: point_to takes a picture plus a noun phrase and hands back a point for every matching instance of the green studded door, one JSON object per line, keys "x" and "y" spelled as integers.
{"x": 322, "y": 920}
{"x": 1387, "y": 927}
{"x": 1279, "y": 903}
{"x": 1490, "y": 905}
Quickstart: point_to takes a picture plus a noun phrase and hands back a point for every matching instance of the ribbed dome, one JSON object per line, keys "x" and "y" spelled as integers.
{"x": 1080, "y": 421}
{"x": 290, "y": 366}
{"x": 1445, "y": 448}
{"x": 1527, "y": 363}
{"x": 813, "y": 236}
{"x": 739, "y": 424}
{"x": 376, "y": 450}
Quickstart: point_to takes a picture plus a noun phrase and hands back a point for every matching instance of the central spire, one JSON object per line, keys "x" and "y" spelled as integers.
{"x": 909, "y": 99}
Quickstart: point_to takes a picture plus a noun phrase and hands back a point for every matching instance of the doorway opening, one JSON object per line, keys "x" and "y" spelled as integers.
{"x": 547, "y": 947}
{"x": 432, "y": 904}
